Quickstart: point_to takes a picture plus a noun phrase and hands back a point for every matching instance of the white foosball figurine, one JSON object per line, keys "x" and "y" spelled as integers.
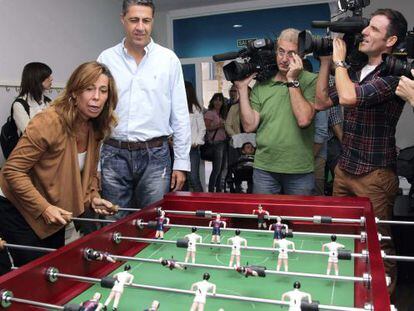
{"x": 236, "y": 242}
{"x": 201, "y": 289}
{"x": 295, "y": 297}
{"x": 333, "y": 254}
{"x": 121, "y": 279}
{"x": 193, "y": 238}
{"x": 283, "y": 245}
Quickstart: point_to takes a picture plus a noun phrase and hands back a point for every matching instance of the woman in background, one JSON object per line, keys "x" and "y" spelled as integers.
{"x": 36, "y": 80}
{"x": 214, "y": 119}
{"x": 198, "y": 131}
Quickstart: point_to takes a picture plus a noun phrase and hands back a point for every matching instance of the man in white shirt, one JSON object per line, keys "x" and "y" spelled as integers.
{"x": 152, "y": 105}
{"x": 192, "y": 238}
{"x": 201, "y": 289}
{"x": 236, "y": 242}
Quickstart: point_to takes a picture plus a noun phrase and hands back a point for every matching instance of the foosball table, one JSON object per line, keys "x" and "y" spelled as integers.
{"x": 65, "y": 278}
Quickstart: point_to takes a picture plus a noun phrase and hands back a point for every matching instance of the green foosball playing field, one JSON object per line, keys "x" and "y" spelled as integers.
{"x": 230, "y": 282}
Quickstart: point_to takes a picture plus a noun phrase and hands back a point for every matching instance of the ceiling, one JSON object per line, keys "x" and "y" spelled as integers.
{"x": 167, "y": 5}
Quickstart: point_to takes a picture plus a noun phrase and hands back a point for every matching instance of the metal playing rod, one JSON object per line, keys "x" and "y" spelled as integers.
{"x": 31, "y": 248}
{"x": 394, "y": 222}
{"x": 397, "y": 258}
{"x": 272, "y": 272}
{"x": 339, "y": 235}
{"x": 117, "y": 237}
{"x": 93, "y": 220}
{"x": 55, "y": 274}
{"x": 315, "y": 219}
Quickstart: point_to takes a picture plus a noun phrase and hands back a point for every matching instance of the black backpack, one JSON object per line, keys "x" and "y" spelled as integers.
{"x": 405, "y": 168}
{"x": 405, "y": 163}
{"x": 9, "y": 135}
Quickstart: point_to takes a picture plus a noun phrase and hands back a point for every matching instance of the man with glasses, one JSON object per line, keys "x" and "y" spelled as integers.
{"x": 135, "y": 160}
{"x": 281, "y": 111}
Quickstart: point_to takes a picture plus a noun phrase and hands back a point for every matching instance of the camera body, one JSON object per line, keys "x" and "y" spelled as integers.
{"x": 350, "y": 26}
{"x": 401, "y": 61}
{"x": 257, "y": 57}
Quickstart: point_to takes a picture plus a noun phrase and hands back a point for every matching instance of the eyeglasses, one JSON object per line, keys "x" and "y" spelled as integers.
{"x": 281, "y": 53}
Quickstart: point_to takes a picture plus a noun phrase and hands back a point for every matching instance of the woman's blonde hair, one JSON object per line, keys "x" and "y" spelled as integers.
{"x": 83, "y": 77}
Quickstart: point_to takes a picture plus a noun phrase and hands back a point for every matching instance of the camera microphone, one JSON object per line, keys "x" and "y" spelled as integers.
{"x": 225, "y": 56}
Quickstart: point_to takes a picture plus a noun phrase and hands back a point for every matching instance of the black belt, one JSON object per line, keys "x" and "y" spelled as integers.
{"x": 136, "y": 145}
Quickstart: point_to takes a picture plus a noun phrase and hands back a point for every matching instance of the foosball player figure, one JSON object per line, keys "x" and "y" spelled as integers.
{"x": 161, "y": 221}
{"x": 92, "y": 304}
{"x": 121, "y": 279}
{"x": 171, "y": 264}
{"x": 283, "y": 247}
{"x": 261, "y": 216}
{"x": 236, "y": 242}
{"x": 333, "y": 248}
{"x": 278, "y": 228}
{"x": 99, "y": 256}
{"x": 216, "y": 224}
{"x": 155, "y": 305}
{"x": 201, "y": 289}
{"x": 192, "y": 238}
{"x": 251, "y": 271}
{"x": 295, "y": 297}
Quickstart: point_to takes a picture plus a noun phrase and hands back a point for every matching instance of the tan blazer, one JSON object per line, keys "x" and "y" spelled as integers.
{"x": 43, "y": 170}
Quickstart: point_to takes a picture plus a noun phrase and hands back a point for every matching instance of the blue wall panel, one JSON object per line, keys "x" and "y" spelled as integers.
{"x": 208, "y": 35}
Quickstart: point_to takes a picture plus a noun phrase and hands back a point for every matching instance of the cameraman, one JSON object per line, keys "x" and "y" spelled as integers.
{"x": 282, "y": 112}
{"x": 405, "y": 89}
{"x": 371, "y": 111}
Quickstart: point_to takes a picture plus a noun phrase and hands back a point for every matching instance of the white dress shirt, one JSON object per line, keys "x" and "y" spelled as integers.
{"x": 152, "y": 100}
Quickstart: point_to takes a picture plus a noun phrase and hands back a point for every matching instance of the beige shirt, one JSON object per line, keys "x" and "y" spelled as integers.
{"x": 232, "y": 124}
{"x": 44, "y": 170}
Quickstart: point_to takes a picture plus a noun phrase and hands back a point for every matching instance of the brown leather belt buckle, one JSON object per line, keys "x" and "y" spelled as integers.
{"x": 136, "y": 145}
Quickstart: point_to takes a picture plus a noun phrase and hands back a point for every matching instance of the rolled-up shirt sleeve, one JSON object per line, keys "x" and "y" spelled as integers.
{"x": 180, "y": 119}
{"x": 377, "y": 91}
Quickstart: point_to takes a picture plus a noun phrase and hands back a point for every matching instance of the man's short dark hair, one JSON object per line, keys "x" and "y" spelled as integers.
{"x": 397, "y": 26}
{"x": 127, "y": 3}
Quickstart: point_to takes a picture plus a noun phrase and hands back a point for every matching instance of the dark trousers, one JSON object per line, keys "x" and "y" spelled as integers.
{"x": 15, "y": 230}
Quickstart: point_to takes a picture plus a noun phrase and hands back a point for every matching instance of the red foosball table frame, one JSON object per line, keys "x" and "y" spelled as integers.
{"x": 30, "y": 282}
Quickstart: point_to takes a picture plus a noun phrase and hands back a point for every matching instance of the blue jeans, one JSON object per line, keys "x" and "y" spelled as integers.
{"x": 216, "y": 180}
{"x": 194, "y": 175}
{"x": 273, "y": 183}
{"x": 135, "y": 179}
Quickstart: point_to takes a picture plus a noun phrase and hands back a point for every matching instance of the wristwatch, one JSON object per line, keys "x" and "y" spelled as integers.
{"x": 340, "y": 63}
{"x": 294, "y": 84}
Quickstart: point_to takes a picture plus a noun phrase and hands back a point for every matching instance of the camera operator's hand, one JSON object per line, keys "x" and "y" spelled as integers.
{"x": 295, "y": 68}
{"x": 244, "y": 83}
{"x": 405, "y": 89}
{"x": 339, "y": 50}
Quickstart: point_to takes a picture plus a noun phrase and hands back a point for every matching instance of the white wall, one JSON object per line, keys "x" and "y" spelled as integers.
{"x": 60, "y": 33}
